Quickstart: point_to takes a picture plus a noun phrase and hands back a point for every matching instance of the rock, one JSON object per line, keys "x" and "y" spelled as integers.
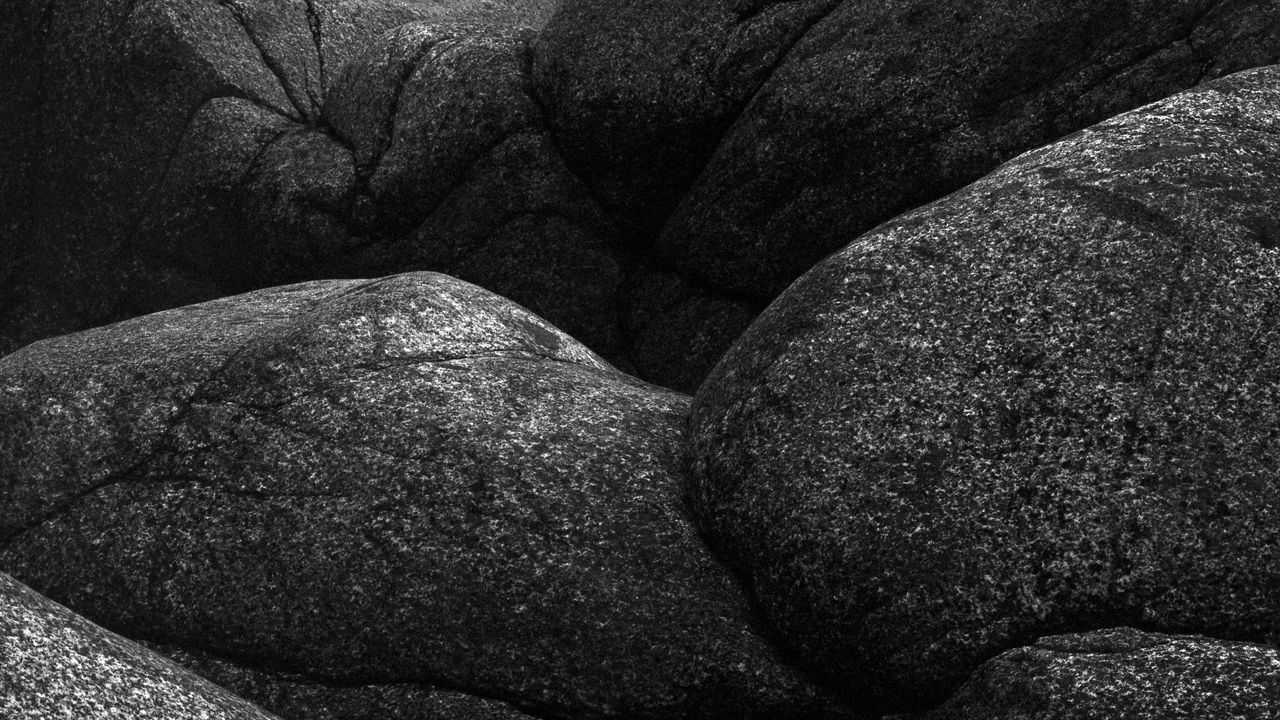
{"x": 638, "y": 93}
{"x": 54, "y": 663}
{"x": 1121, "y": 673}
{"x": 457, "y": 174}
{"x": 1045, "y": 402}
{"x": 174, "y": 151}
{"x": 400, "y": 481}
{"x": 678, "y": 332}
{"x": 883, "y": 106}
{"x": 291, "y": 696}
{"x": 110, "y": 90}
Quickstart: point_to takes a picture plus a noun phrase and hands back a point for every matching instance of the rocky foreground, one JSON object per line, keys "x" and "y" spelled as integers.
{"x": 1007, "y": 452}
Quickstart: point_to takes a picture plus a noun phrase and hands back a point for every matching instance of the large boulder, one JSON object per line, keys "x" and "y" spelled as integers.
{"x": 1121, "y": 673}
{"x": 1046, "y": 402}
{"x": 406, "y": 480}
{"x": 56, "y": 664}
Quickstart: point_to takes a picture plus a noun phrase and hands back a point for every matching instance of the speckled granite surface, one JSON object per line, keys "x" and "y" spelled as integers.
{"x": 404, "y": 480}
{"x": 56, "y": 664}
{"x": 1122, "y": 673}
{"x": 1046, "y": 402}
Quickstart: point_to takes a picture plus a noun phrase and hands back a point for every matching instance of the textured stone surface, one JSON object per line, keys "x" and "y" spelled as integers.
{"x": 108, "y": 94}
{"x": 294, "y": 697}
{"x": 638, "y": 93}
{"x": 407, "y": 480}
{"x": 166, "y": 152}
{"x": 56, "y": 664}
{"x": 885, "y": 105}
{"x": 1045, "y": 402}
{"x": 1121, "y": 673}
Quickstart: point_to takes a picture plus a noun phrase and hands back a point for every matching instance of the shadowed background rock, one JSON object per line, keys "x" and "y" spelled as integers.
{"x": 646, "y": 175}
{"x": 933, "y": 468}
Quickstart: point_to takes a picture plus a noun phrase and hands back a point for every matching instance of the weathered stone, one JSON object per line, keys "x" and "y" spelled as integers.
{"x": 111, "y": 91}
{"x": 885, "y": 105}
{"x": 1045, "y": 402}
{"x": 56, "y": 664}
{"x": 294, "y": 697}
{"x": 1121, "y": 673}
{"x": 678, "y": 332}
{"x": 537, "y": 155}
{"x": 638, "y": 93}
{"x": 457, "y": 174}
{"x": 407, "y": 480}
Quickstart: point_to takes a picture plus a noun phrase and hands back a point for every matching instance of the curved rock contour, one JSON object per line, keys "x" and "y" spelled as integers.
{"x": 646, "y": 175}
{"x": 1121, "y": 673}
{"x": 54, "y": 663}
{"x": 406, "y": 480}
{"x": 1045, "y": 402}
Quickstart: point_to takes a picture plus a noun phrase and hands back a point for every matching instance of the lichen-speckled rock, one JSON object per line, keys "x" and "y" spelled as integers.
{"x": 1047, "y": 402}
{"x": 56, "y": 664}
{"x": 407, "y": 480}
{"x": 1122, "y": 673}
{"x": 884, "y": 105}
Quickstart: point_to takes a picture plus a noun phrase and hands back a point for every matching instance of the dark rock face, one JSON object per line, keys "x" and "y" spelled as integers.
{"x": 402, "y": 481}
{"x": 172, "y": 151}
{"x": 290, "y": 695}
{"x": 885, "y": 105}
{"x": 1044, "y": 403}
{"x": 639, "y": 93}
{"x": 54, "y": 663}
{"x": 1121, "y": 673}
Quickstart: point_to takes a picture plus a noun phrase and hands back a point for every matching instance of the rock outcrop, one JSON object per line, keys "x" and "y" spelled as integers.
{"x": 646, "y": 175}
{"x": 941, "y": 475}
{"x": 1044, "y": 403}
{"x": 361, "y": 483}
{"x": 56, "y": 664}
{"x": 1121, "y": 673}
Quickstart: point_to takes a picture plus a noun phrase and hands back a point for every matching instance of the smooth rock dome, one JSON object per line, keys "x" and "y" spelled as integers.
{"x": 408, "y": 480}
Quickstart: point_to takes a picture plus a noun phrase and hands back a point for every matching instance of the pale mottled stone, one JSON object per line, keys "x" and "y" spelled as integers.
{"x": 56, "y": 664}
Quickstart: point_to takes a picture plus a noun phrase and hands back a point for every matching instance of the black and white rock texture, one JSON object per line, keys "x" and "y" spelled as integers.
{"x": 56, "y": 664}
{"x": 1047, "y": 400}
{"x": 943, "y": 474}
{"x": 647, "y": 175}
{"x": 401, "y": 481}
{"x": 1121, "y": 673}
